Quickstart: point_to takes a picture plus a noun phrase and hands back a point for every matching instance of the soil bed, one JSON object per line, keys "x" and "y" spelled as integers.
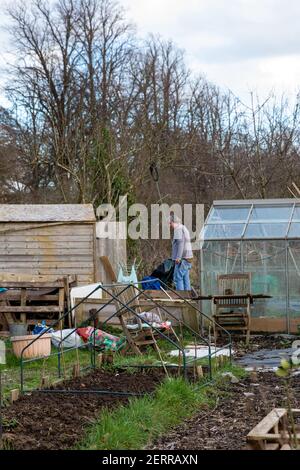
{"x": 227, "y": 425}
{"x": 259, "y": 342}
{"x": 57, "y": 421}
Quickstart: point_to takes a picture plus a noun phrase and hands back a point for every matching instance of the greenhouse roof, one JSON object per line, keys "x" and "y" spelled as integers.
{"x": 255, "y": 219}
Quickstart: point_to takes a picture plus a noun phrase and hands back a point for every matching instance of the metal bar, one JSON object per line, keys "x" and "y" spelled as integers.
{"x": 100, "y": 392}
{"x": 287, "y": 302}
{"x": 247, "y": 221}
{"x": 290, "y": 221}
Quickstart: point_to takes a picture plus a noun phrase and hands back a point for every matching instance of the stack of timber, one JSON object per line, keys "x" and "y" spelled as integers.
{"x": 32, "y": 298}
{"x": 279, "y": 430}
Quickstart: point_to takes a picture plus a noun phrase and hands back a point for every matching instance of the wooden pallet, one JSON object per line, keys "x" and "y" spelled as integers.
{"x": 274, "y": 432}
{"x": 32, "y": 297}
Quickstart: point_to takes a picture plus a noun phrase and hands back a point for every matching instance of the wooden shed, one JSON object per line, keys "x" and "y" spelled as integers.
{"x": 49, "y": 240}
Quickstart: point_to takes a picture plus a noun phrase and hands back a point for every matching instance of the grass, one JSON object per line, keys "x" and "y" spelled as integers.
{"x": 136, "y": 425}
{"x": 33, "y": 371}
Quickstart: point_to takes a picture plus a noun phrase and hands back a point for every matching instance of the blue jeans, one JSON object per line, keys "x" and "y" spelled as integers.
{"x": 181, "y": 275}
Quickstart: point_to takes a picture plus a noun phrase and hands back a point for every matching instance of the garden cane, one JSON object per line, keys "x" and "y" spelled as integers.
{"x": 0, "y": 406}
{"x": 2, "y": 361}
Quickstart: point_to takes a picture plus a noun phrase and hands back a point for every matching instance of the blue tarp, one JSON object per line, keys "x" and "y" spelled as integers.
{"x": 150, "y": 283}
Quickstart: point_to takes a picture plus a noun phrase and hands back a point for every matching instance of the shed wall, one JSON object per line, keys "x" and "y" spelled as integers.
{"x": 48, "y": 249}
{"x": 114, "y": 247}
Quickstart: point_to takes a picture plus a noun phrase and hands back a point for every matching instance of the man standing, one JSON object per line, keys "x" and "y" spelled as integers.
{"x": 181, "y": 253}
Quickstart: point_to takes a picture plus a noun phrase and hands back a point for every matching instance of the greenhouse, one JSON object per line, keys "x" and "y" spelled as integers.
{"x": 261, "y": 237}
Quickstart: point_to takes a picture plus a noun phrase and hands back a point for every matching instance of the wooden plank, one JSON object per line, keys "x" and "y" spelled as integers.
{"x": 262, "y": 429}
{"x": 272, "y": 446}
{"x": 60, "y": 253}
{"x": 16, "y": 284}
{"x": 29, "y": 309}
{"x": 221, "y": 306}
{"x": 4, "y": 334}
{"x": 9, "y": 316}
{"x": 108, "y": 268}
{"x": 231, "y": 315}
{"x": 54, "y": 263}
{"x": 48, "y": 321}
{"x": 17, "y": 231}
{"x": 47, "y": 213}
{"x": 30, "y": 298}
{"x": 274, "y": 437}
{"x": 28, "y": 277}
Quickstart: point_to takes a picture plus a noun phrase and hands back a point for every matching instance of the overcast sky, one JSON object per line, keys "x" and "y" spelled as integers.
{"x": 244, "y": 45}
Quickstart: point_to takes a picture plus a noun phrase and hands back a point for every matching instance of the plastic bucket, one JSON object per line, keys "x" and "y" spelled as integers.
{"x": 18, "y": 329}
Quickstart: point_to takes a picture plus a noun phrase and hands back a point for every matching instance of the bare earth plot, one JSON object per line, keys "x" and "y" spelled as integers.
{"x": 58, "y": 421}
{"x": 243, "y": 405}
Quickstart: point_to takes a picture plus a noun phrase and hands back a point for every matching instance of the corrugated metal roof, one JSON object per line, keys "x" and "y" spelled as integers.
{"x": 47, "y": 213}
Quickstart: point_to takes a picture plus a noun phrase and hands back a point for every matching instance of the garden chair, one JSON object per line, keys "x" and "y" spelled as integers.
{"x": 138, "y": 333}
{"x": 231, "y": 307}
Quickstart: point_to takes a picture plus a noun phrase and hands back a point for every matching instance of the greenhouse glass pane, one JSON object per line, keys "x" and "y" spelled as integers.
{"x": 266, "y": 230}
{"x": 273, "y": 213}
{"x": 228, "y": 214}
{"x": 218, "y": 257}
{"x": 294, "y": 278}
{"x": 223, "y": 231}
{"x": 266, "y": 261}
{"x": 294, "y": 231}
{"x": 296, "y": 216}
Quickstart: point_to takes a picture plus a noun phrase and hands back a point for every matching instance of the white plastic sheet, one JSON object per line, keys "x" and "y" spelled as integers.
{"x": 59, "y": 339}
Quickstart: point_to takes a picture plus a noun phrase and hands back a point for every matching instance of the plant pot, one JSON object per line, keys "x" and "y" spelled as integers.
{"x": 40, "y": 348}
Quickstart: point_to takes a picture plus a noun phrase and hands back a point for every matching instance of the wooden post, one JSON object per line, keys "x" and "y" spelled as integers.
{"x": 76, "y": 370}
{"x": 200, "y": 372}
{"x": 67, "y": 296}
{"x": 78, "y": 314}
{"x": 61, "y": 304}
{"x": 45, "y": 382}
{"x": 14, "y": 395}
{"x": 23, "y": 303}
{"x": 107, "y": 358}
{"x": 99, "y": 359}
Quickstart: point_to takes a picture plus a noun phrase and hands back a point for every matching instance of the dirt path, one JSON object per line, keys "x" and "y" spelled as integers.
{"x": 226, "y": 427}
{"x": 57, "y": 421}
